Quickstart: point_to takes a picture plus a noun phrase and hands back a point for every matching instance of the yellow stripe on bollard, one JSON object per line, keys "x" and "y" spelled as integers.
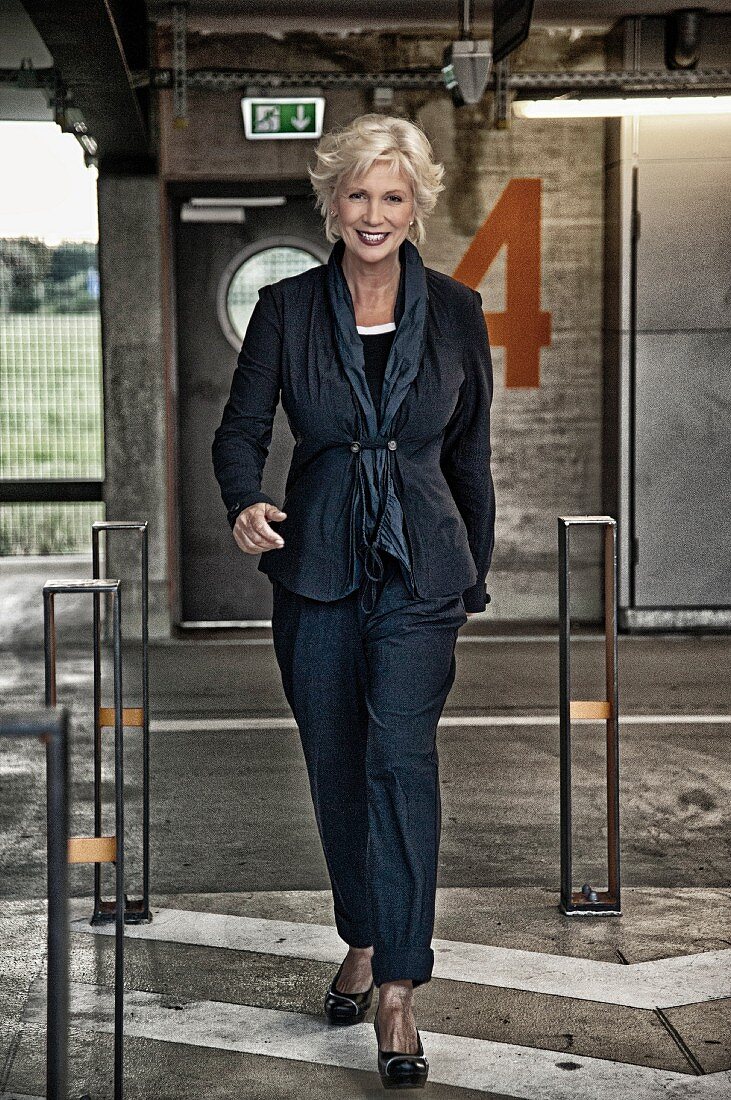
{"x": 131, "y": 716}
{"x": 92, "y": 849}
{"x": 599, "y": 709}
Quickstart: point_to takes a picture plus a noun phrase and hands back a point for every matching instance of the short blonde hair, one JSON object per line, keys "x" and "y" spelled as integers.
{"x": 350, "y": 150}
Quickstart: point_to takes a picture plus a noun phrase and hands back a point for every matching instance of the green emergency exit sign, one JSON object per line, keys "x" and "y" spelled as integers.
{"x": 289, "y": 117}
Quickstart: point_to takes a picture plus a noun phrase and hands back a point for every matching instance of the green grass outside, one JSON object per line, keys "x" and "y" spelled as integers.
{"x": 51, "y": 424}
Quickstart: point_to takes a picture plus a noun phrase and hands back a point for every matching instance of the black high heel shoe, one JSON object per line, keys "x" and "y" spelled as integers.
{"x": 346, "y": 1008}
{"x": 399, "y": 1070}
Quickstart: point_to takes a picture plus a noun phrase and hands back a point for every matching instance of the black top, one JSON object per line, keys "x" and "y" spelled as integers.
{"x": 376, "y": 346}
{"x": 300, "y": 347}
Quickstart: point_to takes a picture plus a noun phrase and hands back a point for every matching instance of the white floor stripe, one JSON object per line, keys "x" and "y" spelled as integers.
{"x": 665, "y": 637}
{"x": 478, "y": 1064}
{"x": 234, "y": 725}
{"x": 663, "y": 983}
{"x": 502, "y": 639}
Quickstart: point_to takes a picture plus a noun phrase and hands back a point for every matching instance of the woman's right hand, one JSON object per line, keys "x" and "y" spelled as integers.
{"x": 252, "y": 532}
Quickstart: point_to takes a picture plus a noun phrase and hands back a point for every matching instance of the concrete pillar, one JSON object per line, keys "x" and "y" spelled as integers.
{"x": 134, "y": 389}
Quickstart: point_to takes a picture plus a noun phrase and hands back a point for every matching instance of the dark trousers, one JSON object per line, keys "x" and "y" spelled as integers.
{"x": 367, "y": 689}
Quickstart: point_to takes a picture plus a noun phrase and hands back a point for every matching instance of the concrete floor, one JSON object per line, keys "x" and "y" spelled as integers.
{"x": 224, "y": 988}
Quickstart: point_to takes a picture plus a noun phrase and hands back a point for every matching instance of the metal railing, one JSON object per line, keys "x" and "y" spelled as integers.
{"x": 589, "y": 900}
{"x": 51, "y": 726}
{"x": 99, "y": 849}
{"x": 136, "y": 910}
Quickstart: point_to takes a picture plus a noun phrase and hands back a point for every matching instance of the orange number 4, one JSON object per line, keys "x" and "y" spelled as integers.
{"x": 523, "y": 328}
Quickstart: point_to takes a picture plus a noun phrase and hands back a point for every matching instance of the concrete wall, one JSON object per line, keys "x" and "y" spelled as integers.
{"x": 547, "y": 439}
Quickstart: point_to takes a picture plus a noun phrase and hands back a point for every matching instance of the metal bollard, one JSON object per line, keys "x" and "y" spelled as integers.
{"x": 589, "y": 900}
{"x": 99, "y": 849}
{"x": 137, "y": 910}
{"x": 51, "y": 726}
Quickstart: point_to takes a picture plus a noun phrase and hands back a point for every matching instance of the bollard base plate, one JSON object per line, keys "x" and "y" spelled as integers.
{"x": 606, "y": 904}
{"x": 135, "y": 912}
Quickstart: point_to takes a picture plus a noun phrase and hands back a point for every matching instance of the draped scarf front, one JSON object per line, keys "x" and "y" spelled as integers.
{"x": 376, "y": 514}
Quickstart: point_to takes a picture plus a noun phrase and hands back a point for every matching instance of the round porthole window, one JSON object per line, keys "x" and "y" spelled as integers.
{"x": 247, "y": 275}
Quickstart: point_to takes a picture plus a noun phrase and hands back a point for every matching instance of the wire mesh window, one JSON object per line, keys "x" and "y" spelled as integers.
{"x": 51, "y": 411}
{"x": 264, "y": 267}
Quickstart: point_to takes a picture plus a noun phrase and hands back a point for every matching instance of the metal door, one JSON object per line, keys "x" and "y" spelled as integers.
{"x": 682, "y": 378}
{"x": 226, "y": 246}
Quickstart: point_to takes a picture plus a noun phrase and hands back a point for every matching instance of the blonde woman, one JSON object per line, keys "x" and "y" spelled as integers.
{"x": 380, "y": 549}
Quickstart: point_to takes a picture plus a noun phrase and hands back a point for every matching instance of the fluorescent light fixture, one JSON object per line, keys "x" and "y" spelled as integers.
{"x": 190, "y": 213}
{"x": 263, "y": 200}
{"x": 635, "y": 105}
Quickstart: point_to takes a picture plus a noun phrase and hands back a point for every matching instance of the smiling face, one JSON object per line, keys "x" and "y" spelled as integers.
{"x": 374, "y": 212}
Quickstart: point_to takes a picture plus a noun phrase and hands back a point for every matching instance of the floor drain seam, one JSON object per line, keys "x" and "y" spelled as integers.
{"x": 680, "y": 1042}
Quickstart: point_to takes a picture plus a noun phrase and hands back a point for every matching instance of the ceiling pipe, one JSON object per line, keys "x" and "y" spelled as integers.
{"x": 683, "y": 34}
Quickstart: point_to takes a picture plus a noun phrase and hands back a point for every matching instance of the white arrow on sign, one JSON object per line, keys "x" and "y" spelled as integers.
{"x": 300, "y": 119}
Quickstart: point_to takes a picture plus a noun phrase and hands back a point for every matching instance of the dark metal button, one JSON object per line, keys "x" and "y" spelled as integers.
{"x": 392, "y": 444}
{"x": 355, "y": 446}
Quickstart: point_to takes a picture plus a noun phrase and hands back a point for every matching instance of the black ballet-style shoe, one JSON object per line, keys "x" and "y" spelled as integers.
{"x": 346, "y": 1008}
{"x": 399, "y": 1070}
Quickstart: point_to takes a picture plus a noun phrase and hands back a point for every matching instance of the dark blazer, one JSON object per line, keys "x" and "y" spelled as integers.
{"x": 422, "y": 461}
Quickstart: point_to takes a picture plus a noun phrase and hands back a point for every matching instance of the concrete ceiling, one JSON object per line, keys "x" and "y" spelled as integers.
{"x": 19, "y": 38}
{"x": 96, "y": 45}
{"x": 265, "y": 15}
{"x": 94, "y": 52}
